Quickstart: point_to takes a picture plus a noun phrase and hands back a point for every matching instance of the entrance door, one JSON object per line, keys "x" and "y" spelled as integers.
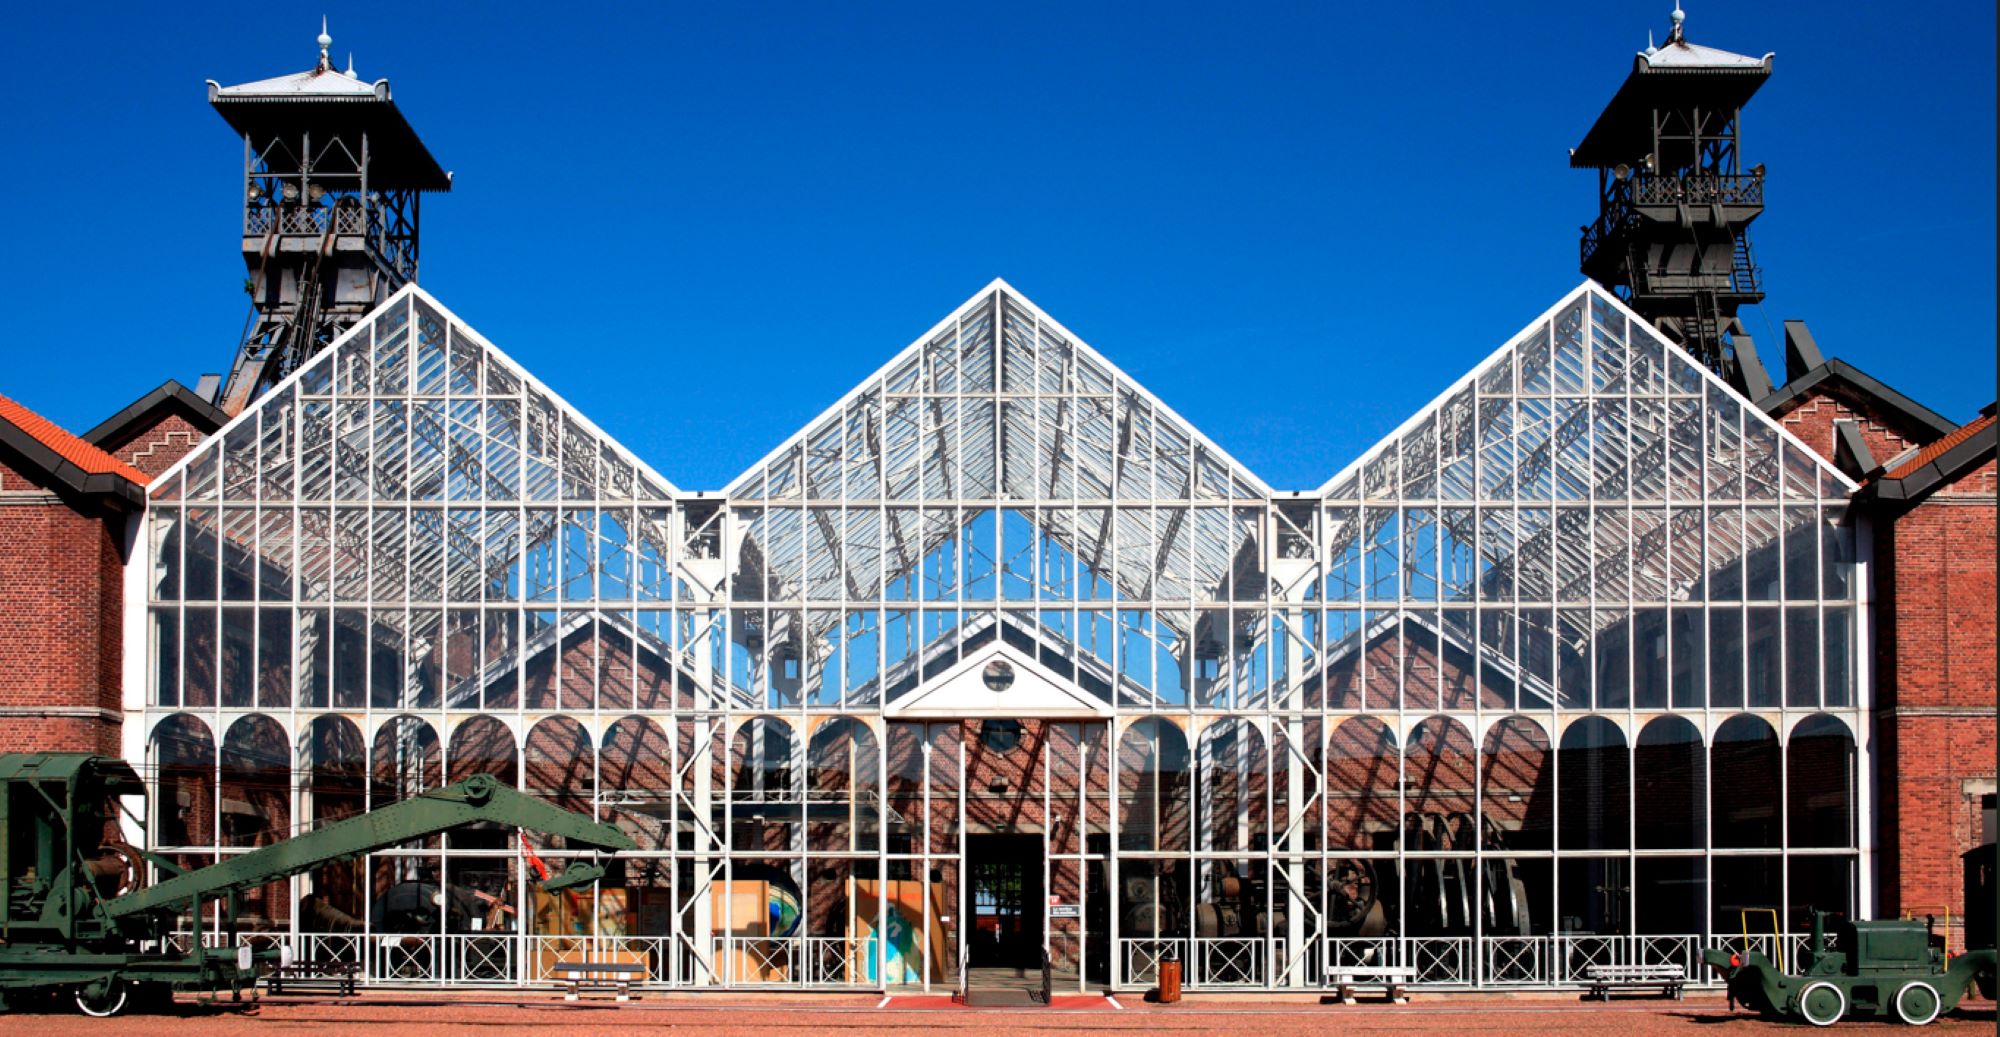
{"x": 1003, "y": 909}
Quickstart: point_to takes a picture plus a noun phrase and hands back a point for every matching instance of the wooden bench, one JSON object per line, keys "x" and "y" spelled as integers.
{"x": 1393, "y": 979}
{"x": 615, "y": 976}
{"x": 1605, "y": 978}
{"x": 338, "y": 976}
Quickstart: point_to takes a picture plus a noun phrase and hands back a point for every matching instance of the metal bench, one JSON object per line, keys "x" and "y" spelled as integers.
{"x": 615, "y": 976}
{"x": 1393, "y": 979}
{"x": 339, "y": 976}
{"x": 1606, "y": 978}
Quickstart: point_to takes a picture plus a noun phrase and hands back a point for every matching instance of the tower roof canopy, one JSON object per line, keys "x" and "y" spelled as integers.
{"x": 1680, "y": 74}
{"x": 324, "y": 101}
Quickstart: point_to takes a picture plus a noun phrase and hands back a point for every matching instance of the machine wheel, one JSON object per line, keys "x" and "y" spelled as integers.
{"x": 103, "y": 1000}
{"x": 1822, "y": 1003}
{"x": 1917, "y": 1003}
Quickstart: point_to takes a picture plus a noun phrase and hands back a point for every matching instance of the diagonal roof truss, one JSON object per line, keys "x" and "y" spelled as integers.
{"x": 999, "y": 406}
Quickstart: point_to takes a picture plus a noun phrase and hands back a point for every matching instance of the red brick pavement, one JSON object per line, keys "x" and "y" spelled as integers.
{"x": 396, "y": 1013}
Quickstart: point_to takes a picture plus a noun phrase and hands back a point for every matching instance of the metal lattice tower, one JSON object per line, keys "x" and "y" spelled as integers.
{"x": 1672, "y": 236}
{"x": 332, "y": 176}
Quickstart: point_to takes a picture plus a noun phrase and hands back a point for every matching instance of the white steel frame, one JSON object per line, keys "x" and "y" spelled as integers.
{"x": 999, "y": 481}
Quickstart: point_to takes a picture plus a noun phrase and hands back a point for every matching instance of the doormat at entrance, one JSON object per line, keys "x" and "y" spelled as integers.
{"x": 1001, "y": 999}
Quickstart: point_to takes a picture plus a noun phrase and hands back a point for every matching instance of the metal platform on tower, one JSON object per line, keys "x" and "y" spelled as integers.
{"x": 1672, "y": 235}
{"x": 332, "y": 178}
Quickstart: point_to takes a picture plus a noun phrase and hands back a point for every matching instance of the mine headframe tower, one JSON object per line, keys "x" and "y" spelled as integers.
{"x": 1672, "y": 236}
{"x": 332, "y": 178}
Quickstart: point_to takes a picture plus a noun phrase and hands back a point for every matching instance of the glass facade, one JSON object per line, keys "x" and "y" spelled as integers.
{"x": 1000, "y": 658}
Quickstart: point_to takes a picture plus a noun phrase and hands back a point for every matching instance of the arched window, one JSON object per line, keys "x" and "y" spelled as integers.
{"x": 561, "y": 765}
{"x": 333, "y": 759}
{"x": 1230, "y": 786}
{"x": 636, "y": 772}
{"x": 406, "y": 759}
{"x": 1744, "y": 783}
{"x": 1362, "y": 760}
{"x": 1438, "y": 777}
{"x": 1516, "y": 776}
{"x": 761, "y": 761}
{"x": 843, "y": 788}
{"x": 483, "y": 745}
{"x": 1670, "y": 770}
{"x": 765, "y": 802}
{"x": 1153, "y": 807}
{"x": 183, "y": 753}
{"x": 1819, "y": 765}
{"x": 1593, "y": 785}
{"x": 256, "y": 782}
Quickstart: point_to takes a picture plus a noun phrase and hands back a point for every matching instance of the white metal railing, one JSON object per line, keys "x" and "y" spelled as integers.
{"x": 1142, "y": 956}
{"x": 1551, "y": 961}
{"x": 329, "y": 947}
{"x": 1516, "y": 961}
{"x": 654, "y": 952}
{"x": 811, "y": 961}
{"x": 1441, "y": 962}
{"x": 1228, "y": 961}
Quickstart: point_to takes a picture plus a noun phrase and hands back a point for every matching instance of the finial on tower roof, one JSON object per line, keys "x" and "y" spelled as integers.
{"x": 1679, "y": 18}
{"x": 324, "y": 41}
{"x": 1650, "y": 49}
{"x": 350, "y": 64}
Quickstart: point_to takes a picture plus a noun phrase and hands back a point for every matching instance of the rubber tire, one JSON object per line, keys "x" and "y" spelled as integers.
{"x": 1805, "y": 998}
{"x": 120, "y": 996}
{"x": 1922, "y": 990}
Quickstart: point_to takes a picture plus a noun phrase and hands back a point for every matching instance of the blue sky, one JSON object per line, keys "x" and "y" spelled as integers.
{"x": 1296, "y": 223}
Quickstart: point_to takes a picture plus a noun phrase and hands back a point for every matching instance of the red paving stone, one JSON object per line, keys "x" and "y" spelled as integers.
{"x": 400, "y": 1013}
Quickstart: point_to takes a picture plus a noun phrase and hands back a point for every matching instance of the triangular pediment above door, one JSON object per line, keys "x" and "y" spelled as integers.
{"x": 999, "y": 681}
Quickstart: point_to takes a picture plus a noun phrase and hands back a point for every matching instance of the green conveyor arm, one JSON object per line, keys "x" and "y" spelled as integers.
{"x": 478, "y": 798}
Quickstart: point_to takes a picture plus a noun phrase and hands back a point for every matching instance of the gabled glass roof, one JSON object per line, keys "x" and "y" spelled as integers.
{"x": 932, "y": 426}
{"x": 996, "y": 406}
{"x": 412, "y": 406}
{"x": 999, "y": 481}
{"x": 1586, "y": 419}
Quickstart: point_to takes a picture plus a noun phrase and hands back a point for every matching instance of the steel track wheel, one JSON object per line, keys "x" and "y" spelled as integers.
{"x": 1822, "y": 1003}
{"x": 1917, "y": 1003}
{"x": 104, "y": 998}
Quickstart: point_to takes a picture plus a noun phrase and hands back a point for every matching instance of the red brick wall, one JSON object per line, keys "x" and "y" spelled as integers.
{"x": 153, "y": 450}
{"x": 1935, "y": 659}
{"x": 58, "y": 734}
{"x": 61, "y": 604}
{"x": 1813, "y": 421}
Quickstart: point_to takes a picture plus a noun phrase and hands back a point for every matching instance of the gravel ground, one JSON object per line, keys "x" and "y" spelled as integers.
{"x": 396, "y": 1013}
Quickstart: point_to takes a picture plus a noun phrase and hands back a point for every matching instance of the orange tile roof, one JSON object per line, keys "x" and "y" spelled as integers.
{"x": 77, "y": 452}
{"x": 1937, "y": 449}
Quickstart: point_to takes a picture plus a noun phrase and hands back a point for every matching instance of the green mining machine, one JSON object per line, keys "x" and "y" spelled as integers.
{"x": 1886, "y": 968}
{"x": 78, "y": 916}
